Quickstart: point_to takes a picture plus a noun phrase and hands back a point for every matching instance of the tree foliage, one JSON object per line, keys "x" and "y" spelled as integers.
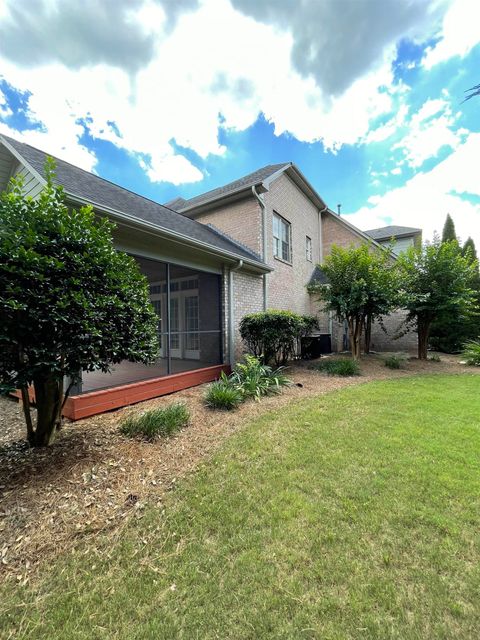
{"x": 362, "y": 287}
{"x": 436, "y": 282}
{"x": 448, "y": 232}
{"x": 68, "y": 301}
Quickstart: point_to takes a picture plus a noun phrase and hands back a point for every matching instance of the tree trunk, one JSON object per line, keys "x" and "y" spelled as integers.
{"x": 355, "y": 331}
{"x": 28, "y": 415}
{"x": 368, "y": 333}
{"x": 48, "y": 398}
{"x": 423, "y": 327}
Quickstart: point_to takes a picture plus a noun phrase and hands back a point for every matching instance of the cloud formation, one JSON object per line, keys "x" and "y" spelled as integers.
{"x": 79, "y": 34}
{"x": 338, "y": 42}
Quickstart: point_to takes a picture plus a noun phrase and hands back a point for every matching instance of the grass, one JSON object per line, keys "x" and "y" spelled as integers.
{"x": 156, "y": 422}
{"x": 354, "y": 515}
{"x": 342, "y": 367}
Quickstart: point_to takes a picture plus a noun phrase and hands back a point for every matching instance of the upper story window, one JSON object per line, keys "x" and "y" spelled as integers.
{"x": 308, "y": 248}
{"x": 282, "y": 238}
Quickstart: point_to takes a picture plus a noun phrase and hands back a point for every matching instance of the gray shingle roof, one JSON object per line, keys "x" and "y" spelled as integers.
{"x": 96, "y": 190}
{"x": 385, "y": 233}
{"x": 249, "y": 180}
{"x": 318, "y": 276}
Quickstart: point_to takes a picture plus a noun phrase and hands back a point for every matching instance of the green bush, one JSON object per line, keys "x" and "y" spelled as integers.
{"x": 255, "y": 379}
{"x": 471, "y": 353}
{"x": 273, "y": 335}
{"x": 338, "y": 367}
{"x": 394, "y": 362}
{"x": 434, "y": 358}
{"x": 156, "y": 422}
{"x": 223, "y": 394}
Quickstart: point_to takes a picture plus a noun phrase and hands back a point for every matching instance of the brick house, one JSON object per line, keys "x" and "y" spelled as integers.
{"x": 276, "y": 213}
{"x": 250, "y": 245}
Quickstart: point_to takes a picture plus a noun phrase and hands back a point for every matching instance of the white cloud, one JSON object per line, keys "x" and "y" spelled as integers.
{"x": 427, "y": 134}
{"x": 5, "y": 110}
{"x": 459, "y": 34}
{"x": 199, "y": 70}
{"x": 425, "y": 199}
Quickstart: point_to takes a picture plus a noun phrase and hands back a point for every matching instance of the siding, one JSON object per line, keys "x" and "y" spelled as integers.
{"x": 31, "y": 185}
{"x": 7, "y": 162}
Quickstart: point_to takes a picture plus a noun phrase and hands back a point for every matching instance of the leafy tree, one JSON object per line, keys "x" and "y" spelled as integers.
{"x": 448, "y": 232}
{"x": 362, "y": 287}
{"x": 469, "y": 246}
{"x": 436, "y": 283}
{"x": 68, "y": 301}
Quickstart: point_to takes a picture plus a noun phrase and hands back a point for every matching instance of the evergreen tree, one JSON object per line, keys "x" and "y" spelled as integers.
{"x": 448, "y": 232}
{"x": 469, "y": 245}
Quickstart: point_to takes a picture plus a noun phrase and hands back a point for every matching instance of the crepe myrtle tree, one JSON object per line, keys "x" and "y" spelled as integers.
{"x": 362, "y": 286}
{"x": 68, "y": 301}
{"x": 436, "y": 283}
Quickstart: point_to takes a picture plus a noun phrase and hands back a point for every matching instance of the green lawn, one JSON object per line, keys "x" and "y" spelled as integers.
{"x": 353, "y": 515}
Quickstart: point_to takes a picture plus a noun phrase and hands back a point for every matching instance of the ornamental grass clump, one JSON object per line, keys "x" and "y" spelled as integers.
{"x": 156, "y": 423}
{"x": 394, "y": 362}
{"x": 249, "y": 379}
{"x": 223, "y": 394}
{"x": 338, "y": 367}
{"x": 255, "y": 379}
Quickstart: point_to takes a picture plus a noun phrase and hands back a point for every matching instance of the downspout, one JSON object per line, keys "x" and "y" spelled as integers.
{"x": 320, "y": 240}
{"x": 231, "y": 318}
{"x": 264, "y": 243}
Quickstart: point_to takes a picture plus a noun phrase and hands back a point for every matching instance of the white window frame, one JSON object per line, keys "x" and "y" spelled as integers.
{"x": 282, "y": 238}
{"x": 308, "y": 249}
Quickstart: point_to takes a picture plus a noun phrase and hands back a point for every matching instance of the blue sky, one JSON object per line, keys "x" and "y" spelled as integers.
{"x": 167, "y": 99}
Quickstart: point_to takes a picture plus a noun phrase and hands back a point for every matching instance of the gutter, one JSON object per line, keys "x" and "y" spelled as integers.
{"x": 231, "y": 313}
{"x": 264, "y": 243}
{"x": 155, "y": 229}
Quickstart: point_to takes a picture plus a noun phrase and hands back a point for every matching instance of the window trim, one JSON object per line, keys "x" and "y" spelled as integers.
{"x": 288, "y": 225}
{"x": 308, "y": 249}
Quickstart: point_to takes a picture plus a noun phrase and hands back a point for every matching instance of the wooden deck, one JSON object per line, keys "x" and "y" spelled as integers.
{"x": 102, "y": 400}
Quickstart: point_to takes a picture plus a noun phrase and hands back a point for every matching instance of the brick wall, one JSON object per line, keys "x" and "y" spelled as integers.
{"x": 286, "y": 284}
{"x": 240, "y": 220}
{"x": 382, "y": 341}
{"x": 248, "y": 298}
{"x": 335, "y": 232}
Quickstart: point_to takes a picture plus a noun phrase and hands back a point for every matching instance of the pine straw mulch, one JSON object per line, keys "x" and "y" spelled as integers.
{"x": 94, "y": 480}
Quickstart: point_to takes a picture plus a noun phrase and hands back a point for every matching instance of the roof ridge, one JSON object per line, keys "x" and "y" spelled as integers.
{"x": 277, "y": 165}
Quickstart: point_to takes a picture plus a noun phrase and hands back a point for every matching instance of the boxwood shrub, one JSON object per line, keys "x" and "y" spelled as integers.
{"x": 273, "y": 335}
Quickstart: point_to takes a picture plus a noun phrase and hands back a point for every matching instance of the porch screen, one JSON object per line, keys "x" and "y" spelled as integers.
{"x": 188, "y": 306}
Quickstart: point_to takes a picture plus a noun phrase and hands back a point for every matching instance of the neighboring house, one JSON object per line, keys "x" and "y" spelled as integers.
{"x": 400, "y": 238}
{"x": 250, "y": 245}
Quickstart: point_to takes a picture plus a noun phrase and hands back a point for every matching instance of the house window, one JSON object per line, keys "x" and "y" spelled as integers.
{"x": 282, "y": 235}
{"x": 308, "y": 248}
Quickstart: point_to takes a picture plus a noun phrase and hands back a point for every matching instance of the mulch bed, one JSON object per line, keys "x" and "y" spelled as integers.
{"x": 93, "y": 479}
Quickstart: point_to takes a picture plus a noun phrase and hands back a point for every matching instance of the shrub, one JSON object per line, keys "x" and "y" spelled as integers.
{"x": 434, "y": 358}
{"x": 273, "y": 335}
{"x": 255, "y": 379}
{"x": 338, "y": 367}
{"x": 223, "y": 394}
{"x": 156, "y": 422}
{"x": 471, "y": 353}
{"x": 394, "y": 362}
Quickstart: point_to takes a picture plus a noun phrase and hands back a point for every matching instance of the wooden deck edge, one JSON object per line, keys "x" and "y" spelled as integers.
{"x": 95, "y": 402}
